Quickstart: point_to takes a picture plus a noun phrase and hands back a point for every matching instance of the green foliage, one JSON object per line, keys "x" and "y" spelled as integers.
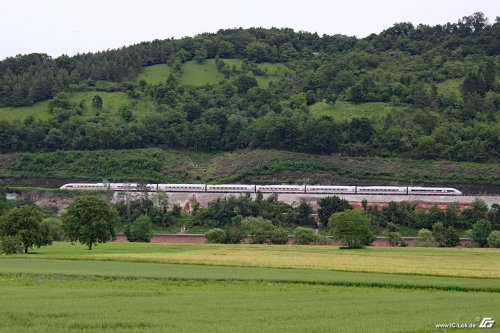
{"x": 97, "y": 103}
{"x": 331, "y": 205}
{"x": 451, "y": 238}
{"x": 278, "y": 236}
{"x": 216, "y": 235}
{"x": 395, "y": 239}
{"x": 304, "y": 214}
{"x": 154, "y": 206}
{"x": 90, "y": 221}
{"x": 305, "y": 236}
{"x": 392, "y": 80}
{"x": 157, "y": 165}
{"x": 140, "y": 230}
{"x": 438, "y": 233}
{"x": 25, "y": 223}
{"x": 222, "y": 212}
{"x": 352, "y": 227}
{"x": 480, "y": 231}
{"x": 424, "y": 238}
{"x": 11, "y": 244}
{"x": 176, "y": 210}
{"x": 477, "y": 211}
{"x": 55, "y": 227}
{"x": 263, "y": 231}
{"x": 494, "y": 239}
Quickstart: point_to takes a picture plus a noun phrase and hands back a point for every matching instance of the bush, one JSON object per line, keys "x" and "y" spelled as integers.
{"x": 235, "y": 234}
{"x": 278, "y": 236}
{"x": 394, "y": 238}
{"x": 141, "y": 230}
{"x": 494, "y": 239}
{"x": 304, "y": 236}
{"x": 11, "y": 245}
{"x": 176, "y": 211}
{"x": 480, "y": 231}
{"x": 216, "y": 235}
{"x": 438, "y": 233}
{"x": 352, "y": 227}
{"x": 55, "y": 228}
{"x": 424, "y": 238}
{"x": 451, "y": 238}
{"x": 263, "y": 231}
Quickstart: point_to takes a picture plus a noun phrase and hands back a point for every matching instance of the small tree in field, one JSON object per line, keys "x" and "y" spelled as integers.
{"x": 352, "y": 227}
{"x": 90, "y": 220}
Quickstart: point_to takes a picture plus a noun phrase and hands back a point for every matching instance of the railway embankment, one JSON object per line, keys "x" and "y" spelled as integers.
{"x": 57, "y": 200}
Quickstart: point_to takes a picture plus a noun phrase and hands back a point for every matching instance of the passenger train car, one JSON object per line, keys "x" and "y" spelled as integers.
{"x": 243, "y": 188}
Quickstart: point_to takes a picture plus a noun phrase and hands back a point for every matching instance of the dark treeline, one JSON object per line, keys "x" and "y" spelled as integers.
{"x": 400, "y": 66}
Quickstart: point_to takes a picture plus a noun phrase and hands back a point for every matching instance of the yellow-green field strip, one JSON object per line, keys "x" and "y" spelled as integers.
{"x": 12, "y": 267}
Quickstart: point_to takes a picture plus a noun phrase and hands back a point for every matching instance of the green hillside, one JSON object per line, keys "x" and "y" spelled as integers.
{"x": 192, "y": 73}
{"x": 250, "y": 166}
{"x": 409, "y": 92}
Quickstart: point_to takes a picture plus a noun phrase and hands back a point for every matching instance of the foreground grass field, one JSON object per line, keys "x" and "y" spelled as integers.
{"x": 133, "y": 287}
{"x": 117, "y": 305}
{"x": 65, "y": 288}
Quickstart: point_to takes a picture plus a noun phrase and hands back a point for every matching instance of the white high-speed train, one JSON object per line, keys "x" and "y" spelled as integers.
{"x": 244, "y": 188}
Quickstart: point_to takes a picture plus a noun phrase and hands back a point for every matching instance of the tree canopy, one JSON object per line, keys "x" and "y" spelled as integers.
{"x": 277, "y": 89}
{"x": 352, "y": 227}
{"x": 90, "y": 220}
{"x": 25, "y": 222}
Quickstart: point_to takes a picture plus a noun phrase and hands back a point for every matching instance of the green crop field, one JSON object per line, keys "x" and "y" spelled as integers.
{"x": 65, "y": 288}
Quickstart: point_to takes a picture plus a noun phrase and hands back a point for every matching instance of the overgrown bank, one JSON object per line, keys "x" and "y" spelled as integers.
{"x": 252, "y": 166}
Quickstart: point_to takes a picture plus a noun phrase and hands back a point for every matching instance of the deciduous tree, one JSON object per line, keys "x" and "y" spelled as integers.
{"x": 90, "y": 220}
{"x": 352, "y": 227}
{"x": 25, "y": 223}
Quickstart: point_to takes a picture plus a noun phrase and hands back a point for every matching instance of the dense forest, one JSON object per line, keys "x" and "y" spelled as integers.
{"x": 440, "y": 82}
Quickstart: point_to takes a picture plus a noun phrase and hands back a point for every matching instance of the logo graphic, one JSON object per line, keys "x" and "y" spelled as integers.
{"x": 487, "y": 322}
